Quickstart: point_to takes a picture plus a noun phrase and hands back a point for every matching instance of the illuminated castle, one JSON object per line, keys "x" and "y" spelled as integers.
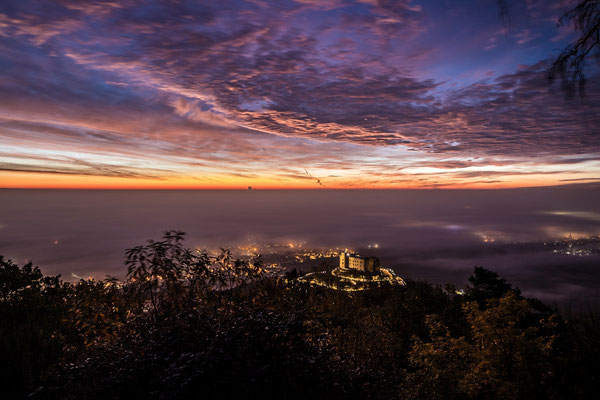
{"x": 356, "y": 262}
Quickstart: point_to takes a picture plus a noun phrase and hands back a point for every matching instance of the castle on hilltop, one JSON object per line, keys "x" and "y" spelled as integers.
{"x": 359, "y": 263}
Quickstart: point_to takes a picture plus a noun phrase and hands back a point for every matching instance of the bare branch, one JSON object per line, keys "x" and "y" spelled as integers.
{"x": 571, "y": 62}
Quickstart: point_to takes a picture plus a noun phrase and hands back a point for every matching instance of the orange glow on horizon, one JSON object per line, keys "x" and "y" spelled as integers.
{"x": 26, "y": 180}
{"x": 35, "y": 180}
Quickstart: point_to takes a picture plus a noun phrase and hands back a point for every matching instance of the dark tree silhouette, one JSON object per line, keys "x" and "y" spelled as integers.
{"x": 571, "y": 62}
{"x": 569, "y": 66}
{"x": 487, "y": 285}
{"x": 186, "y": 324}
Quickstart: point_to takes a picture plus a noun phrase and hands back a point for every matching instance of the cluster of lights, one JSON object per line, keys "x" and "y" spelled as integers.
{"x": 486, "y": 238}
{"x": 354, "y": 283}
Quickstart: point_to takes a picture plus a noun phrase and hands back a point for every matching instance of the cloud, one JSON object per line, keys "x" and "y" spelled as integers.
{"x": 88, "y": 169}
{"x": 343, "y": 88}
{"x": 526, "y": 36}
{"x": 192, "y": 110}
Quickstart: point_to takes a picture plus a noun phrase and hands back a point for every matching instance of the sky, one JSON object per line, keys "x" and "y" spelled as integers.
{"x": 290, "y": 94}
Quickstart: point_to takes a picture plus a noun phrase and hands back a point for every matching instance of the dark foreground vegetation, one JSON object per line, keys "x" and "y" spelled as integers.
{"x": 187, "y": 325}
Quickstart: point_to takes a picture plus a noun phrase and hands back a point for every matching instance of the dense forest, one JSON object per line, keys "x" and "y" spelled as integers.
{"x": 185, "y": 324}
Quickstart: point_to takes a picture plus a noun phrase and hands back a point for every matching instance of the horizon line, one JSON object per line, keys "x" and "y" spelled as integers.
{"x": 567, "y": 186}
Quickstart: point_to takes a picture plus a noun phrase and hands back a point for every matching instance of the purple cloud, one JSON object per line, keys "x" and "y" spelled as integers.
{"x": 235, "y": 85}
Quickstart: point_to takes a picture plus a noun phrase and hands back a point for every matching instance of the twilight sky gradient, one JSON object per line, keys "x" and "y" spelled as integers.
{"x": 289, "y": 94}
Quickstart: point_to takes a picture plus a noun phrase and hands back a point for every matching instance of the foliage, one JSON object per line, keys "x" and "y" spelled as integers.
{"x": 504, "y": 357}
{"x": 31, "y": 309}
{"x": 186, "y": 324}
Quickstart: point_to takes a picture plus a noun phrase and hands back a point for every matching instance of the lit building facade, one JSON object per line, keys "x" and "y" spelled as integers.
{"x": 359, "y": 263}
